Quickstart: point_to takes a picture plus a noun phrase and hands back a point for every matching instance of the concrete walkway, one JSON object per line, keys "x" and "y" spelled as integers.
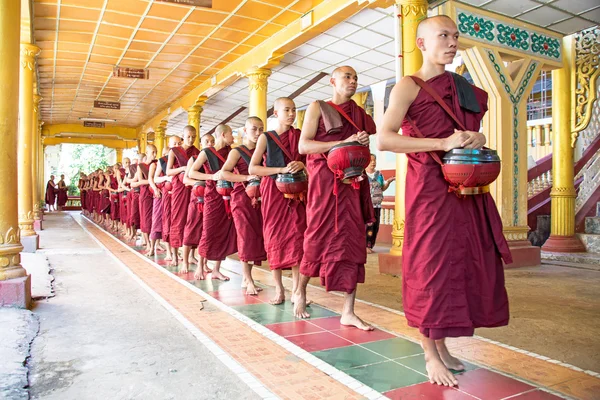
{"x": 104, "y": 336}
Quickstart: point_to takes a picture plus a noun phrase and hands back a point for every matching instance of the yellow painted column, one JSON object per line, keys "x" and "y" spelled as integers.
{"x": 142, "y": 143}
{"x": 360, "y": 99}
{"x": 412, "y": 11}
{"x": 300, "y": 118}
{"x": 35, "y": 140}
{"x": 194, "y": 117}
{"x": 159, "y": 140}
{"x": 119, "y": 154}
{"x": 10, "y": 243}
{"x": 563, "y": 194}
{"x": 28, "y": 54}
{"x": 257, "y": 84}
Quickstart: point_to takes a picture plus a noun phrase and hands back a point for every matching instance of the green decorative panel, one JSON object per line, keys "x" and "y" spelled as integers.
{"x": 502, "y": 34}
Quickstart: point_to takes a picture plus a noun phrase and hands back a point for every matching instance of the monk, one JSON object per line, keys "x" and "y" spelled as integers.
{"x": 80, "y": 186}
{"x": 174, "y": 141}
{"x": 336, "y": 213}
{"x": 156, "y": 180}
{"x": 284, "y": 220}
{"x": 133, "y": 201}
{"x": 218, "y": 232}
{"x": 452, "y": 273}
{"x": 51, "y": 194}
{"x": 247, "y": 217}
{"x": 113, "y": 193}
{"x": 62, "y": 196}
{"x": 123, "y": 189}
{"x": 146, "y": 196}
{"x": 180, "y": 194}
{"x": 192, "y": 232}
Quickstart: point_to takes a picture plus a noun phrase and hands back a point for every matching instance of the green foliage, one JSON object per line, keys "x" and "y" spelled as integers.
{"x": 86, "y": 158}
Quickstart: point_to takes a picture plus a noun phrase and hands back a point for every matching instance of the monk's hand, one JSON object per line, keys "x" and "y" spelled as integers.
{"x": 476, "y": 140}
{"x": 295, "y": 166}
{"x": 363, "y": 138}
{"x": 216, "y": 176}
{"x": 252, "y": 178}
{"x": 353, "y": 138}
{"x": 455, "y": 140}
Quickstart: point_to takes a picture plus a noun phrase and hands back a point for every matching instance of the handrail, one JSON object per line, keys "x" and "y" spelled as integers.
{"x": 542, "y": 166}
{"x": 588, "y": 153}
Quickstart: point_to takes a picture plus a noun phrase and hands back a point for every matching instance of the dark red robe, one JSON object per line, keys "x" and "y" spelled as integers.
{"x": 134, "y": 201}
{"x": 146, "y": 201}
{"x": 62, "y": 195}
{"x": 157, "y": 207}
{"x": 453, "y": 278}
{"x": 283, "y": 246}
{"x": 50, "y": 194}
{"x": 180, "y": 196}
{"x": 123, "y": 202}
{"x": 247, "y": 218}
{"x": 193, "y": 225}
{"x": 218, "y": 231}
{"x": 337, "y": 257}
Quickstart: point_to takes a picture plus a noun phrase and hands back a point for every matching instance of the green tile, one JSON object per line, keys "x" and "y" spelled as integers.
{"x": 394, "y": 348}
{"x": 264, "y": 313}
{"x": 316, "y": 311}
{"x": 386, "y": 376}
{"x": 348, "y": 357}
{"x": 418, "y": 364}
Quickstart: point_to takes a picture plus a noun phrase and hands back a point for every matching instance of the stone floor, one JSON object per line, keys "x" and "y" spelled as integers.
{"x": 284, "y": 354}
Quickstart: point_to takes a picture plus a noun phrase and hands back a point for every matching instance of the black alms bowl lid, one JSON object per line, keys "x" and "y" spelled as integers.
{"x": 471, "y": 155}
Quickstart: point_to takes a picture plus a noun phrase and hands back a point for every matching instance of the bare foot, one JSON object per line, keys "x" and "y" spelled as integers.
{"x": 184, "y": 269}
{"x": 172, "y": 263}
{"x": 369, "y": 251}
{"x": 251, "y": 289}
{"x": 295, "y": 298}
{"x": 168, "y": 257}
{"x": 199, "y": 274}
{"x": 278, "y": 299}
{"x": 439, "y": 374}
{"x": 219, "y": 276}
{"x": 353, "y": 320}
{"x": 449, "y": 361}
{"x": 300, "y": 307}
{"x": 149, "y": 253}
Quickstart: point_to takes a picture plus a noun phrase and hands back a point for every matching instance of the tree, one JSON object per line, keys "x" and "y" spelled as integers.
{"x": 86, "y": 158}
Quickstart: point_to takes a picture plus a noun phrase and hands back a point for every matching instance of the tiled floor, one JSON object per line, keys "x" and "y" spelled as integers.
{"x": 385, "y": 362}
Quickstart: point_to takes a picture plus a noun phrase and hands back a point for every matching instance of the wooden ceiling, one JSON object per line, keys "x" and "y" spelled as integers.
{"x": 182, "y": 46}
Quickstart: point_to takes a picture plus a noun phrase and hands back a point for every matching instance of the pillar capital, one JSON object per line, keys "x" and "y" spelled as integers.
{"x": 28, "y": 54}
{"x": 257, "y": 87}
{"x": 257, "y": 78}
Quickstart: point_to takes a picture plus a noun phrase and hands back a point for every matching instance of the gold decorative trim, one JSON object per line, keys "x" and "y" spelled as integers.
{"x": 12, "y": 236}
{"x": 257, "y": 79}
{"x": 587, "y": 60}
{"x": 28, "y": 54}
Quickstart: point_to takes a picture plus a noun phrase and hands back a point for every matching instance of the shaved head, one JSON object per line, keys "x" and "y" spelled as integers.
{"x": 189, "y": 128}
{"x": 221, "y": 129}
{"x": 339, "y": 71}
{"x": 282, "y": 102}
{"x": 254, "y": 120}
{"x": 174, "y": 141}
{"x": 150, "y": 146}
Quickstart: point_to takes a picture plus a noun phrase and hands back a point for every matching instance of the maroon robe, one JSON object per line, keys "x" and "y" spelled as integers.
{"x": 82, "y": 194}
{"x": 283, "y": 246}
{"x": 337, "y": 257}
{"x": 193, "y": 225}
{"x": 146, "y": 200}
{"x": 62, "y": 195}
{"x": 247, "y": 218}
{"x": 133, "y": 199}
{"x": 50, "y": 194}
{"x": 218, "y": 231}
{"x": 180, "y": 196}
{"x": 123, "y": 201}
{"x": 114, "y": 204}
{"x": 453, "y": 278}
{"x": 157, "y": 207}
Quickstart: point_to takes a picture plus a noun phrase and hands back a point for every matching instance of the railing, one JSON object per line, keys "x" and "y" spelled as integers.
{"x": 539, "y": 178}
{"x": 387, "y": 213}
{"x": 588, "y": 169}
{"x": 539, "y": 135}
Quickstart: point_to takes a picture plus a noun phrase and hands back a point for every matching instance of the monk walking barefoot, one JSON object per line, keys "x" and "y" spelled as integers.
{"x": 334, "y": 243}
{"x": 146, "y": 198}
{"x": 284, "y": 219}
{"x": 456, "y": 257}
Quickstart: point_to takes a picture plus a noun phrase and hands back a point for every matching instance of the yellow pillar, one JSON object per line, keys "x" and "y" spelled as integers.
{"x": 360, "y": 99}
{"x": 194, "y": 116}
{"x": 159, "y": 140}
{"x": 143, "y": 136}
{"x": 257, "y": 84}
{"x": 10, "y": 243}
{"x": 563, "y": 194}
{"x": 119, "y": 154}
{"x": 300, "y": 118}
{"x": 412, "y": 11}
{"x": 28, "y": 54}
{"x": 35, "y": 157}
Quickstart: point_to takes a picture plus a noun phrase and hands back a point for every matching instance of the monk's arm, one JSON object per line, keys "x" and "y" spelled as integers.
{"x": 227, "y": 170}
{"x": 151, "y": 175}
{"x": 195, "y": 171}
{"x": 140, "y": 177}
{"x": 186, "y": 178}
{"x": 308, "y": 144}
{"x": 256, "y": 167}
{"x": 170, "y": 170}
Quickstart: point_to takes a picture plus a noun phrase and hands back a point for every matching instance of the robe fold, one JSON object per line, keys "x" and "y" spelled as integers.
{"x": 114, "y": 206}
{"x": 284, "y": 220}
{"x": 193, "y": 225}
{"x": 50, "y": 194}
{"x": 453, "y": 277}
{"x": 146, "y": 201}
{"x": 337, "y": 257}
{"x": 157, "y": 206}
{"x": 218, "y": 231}
{"x": 62, "y": 196}
{"x": 180, "y": 196}
{"x": 247, "y": 219}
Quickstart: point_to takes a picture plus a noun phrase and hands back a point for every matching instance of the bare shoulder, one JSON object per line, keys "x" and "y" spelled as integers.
{"x": 314, "y": 109}
{"x": 406, "y": 89}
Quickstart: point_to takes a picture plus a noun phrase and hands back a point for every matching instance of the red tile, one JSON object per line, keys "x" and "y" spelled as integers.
{"x": 536, "y": 395}
{"x": 318, "y": 341}
{"x": 188, "y": 276}
{"x": 294, "y": 328}
{"x": 488, "y": 385}
{"x": 427, "y": 391}
{"x": 234, "y": 298}
{"x": 330, "y": 323}
{"x": 358, "y": 336}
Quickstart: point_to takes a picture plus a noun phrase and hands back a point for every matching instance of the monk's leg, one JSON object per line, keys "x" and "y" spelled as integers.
{"x": 216, "y": 273}
{"x": 248, "y": 280}
{"x": 279, "y": 290}
{"x": 437, "y": 371}
{"x": 449, "y": 361}
{"x": 300, "y": 304}
{"x": 186, "y": 259}
{"x": 148, "y": 243}
{"x": 169, "y": 252}
{"x": 348, "y": 315}
{"x": 174, "y": 256}
{"x": 192, "y": 258}
{"x": 207, "y": 270}
{"x": 296, "y": 283}
{"x": 200, "y": 273}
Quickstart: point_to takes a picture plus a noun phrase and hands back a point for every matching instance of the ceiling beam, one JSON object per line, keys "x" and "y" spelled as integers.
{"x": 302, "y": 89}
{"x": 226, "y": 120}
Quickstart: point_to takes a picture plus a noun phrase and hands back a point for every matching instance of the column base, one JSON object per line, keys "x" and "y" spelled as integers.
{"x": 564, "y": 244}
{"x": 37, "y": 225}
{"x": 16, "y": 292}
{"x": 30, "y": 243}
{"x": 524, "y": 254}
{"x": 390, "y": 264}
